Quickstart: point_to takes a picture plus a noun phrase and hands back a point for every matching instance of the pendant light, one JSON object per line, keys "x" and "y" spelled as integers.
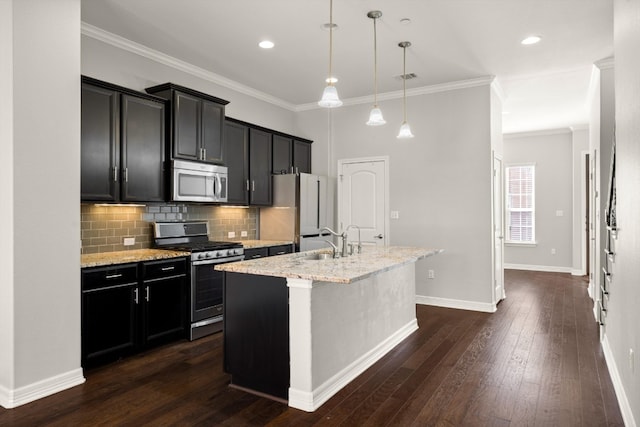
{"x": 375, "y": 116}
{"x": 330, "y": 97}
{"x": 405, "y": 130}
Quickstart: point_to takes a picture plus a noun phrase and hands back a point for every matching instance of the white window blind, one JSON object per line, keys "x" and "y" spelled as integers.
{"x": 521, "y": 204}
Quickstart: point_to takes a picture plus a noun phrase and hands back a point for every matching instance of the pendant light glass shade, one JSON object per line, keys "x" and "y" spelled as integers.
{"x": 330, "y": 97}
{"x": 375, "y": 116}
{"x": 405, "y": 130}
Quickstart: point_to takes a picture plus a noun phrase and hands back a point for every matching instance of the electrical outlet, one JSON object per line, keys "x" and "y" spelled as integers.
{"x": 243, "y": 234}
{"x": 129, "y": 241}
{"x": 431, "y": 274}
{"x": 231, "y": 234}
{"x": 559, "y": 213}
{"x": 553, "y": 251}
{"x": 395, "y": 215}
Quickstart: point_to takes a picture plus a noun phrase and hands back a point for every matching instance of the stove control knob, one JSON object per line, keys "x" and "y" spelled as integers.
{"x": 202, "y": 255}
{"x": 222, "y": 253}
{"x": 212, "y": 254}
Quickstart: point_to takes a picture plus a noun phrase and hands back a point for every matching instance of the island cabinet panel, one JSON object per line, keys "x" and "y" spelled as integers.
{"x": 256, "y": 333}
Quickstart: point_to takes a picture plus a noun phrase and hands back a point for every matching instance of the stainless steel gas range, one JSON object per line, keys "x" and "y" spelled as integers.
{"x": 206, "y": 283}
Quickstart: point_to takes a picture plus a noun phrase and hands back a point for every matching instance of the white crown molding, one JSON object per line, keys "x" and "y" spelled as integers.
{"x": 424, "y": 90}
{"x": 146, "y": 52}
{"x": 544, "y": 132}
{"x": 581, "y": 126}
{"x": 605, "y": 63}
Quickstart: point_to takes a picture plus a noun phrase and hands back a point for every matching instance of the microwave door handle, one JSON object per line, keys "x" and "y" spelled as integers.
{"x": 219, "y": 186}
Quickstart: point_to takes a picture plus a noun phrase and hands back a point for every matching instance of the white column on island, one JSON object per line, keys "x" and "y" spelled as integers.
{"x": 338, "y": 330}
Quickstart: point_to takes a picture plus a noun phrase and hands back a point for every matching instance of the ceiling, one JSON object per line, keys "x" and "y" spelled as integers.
{"x": 544, "y": 86}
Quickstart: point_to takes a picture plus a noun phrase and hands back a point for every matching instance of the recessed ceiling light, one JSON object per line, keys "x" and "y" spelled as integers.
{"x": 266, "y": 44}
{"x": 331, "y": 80}
{"x": 531, "y": 40}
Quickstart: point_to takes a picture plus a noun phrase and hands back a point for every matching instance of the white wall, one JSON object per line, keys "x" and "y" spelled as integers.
{"x": 45, "y": 173}
{"x": 119, "y": 66}
{"x": 622, "y": 331}
{"x": 579, "y": 146}
{"x": 551, "y": 151}
{"x": 6, "y": 195}
{"x": 440, "y": 182}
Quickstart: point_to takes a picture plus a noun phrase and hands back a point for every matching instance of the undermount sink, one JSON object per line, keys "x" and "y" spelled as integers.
{"x": 318, "y": 257}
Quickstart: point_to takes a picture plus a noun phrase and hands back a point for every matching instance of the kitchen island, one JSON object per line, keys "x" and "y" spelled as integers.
{"x": 299, "y": 329}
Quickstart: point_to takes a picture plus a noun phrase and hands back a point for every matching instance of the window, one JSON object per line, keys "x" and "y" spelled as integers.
{"x": 521, "y": 204}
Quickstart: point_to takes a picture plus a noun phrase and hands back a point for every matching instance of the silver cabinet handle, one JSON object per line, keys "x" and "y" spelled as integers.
{"x": 113, "y": 276}
{"x": 247, "y": 185}
{"x": 126, "y": 174}
{"x": 204, "y": 153}
{"x": 253, "y": 185}
{"x": 256, "y": 256}
{"x": 168, "y": 268}
{"x": 146, "y": 294}
{"x": 379, "y": 236}
{"x": 115, "y": 174}
{"x": 135, "y": 293}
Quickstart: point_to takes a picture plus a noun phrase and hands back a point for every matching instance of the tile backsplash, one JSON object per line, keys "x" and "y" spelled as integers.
{"x": 103, "y": 227}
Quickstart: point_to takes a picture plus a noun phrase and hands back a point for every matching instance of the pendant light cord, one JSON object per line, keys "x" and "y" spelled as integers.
{"x": 404, "y": 81}
{"x": 375, "y": 64}
{"x": 330, "y": 40}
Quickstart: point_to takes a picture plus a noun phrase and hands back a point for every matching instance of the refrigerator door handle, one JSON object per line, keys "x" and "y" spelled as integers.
{"x": 318, "y": 206}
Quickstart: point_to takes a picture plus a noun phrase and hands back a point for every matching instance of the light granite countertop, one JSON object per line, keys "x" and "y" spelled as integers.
{"x": 252, "y": 244}
{"x": 123, "y": 257}
{"x": 372, "y": 260}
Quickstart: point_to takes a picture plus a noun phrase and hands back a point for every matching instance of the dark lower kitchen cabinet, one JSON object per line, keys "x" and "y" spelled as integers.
{"x": 127, "y": 308}
{"x": 254, "y": 253}
{"x": 256, "y": 333}
{"x": 280, "y": 250}
{"x": 122, "y": 144}
{"x": 165, "y": 301}
{"x": 197, "y": 123}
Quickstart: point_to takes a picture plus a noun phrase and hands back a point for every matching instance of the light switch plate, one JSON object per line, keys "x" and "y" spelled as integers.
{"x": 232, "y": 234}
{"x": 243, "y": 234}
{"x": 129, "y": 241}
{"x": 395, "y": 215}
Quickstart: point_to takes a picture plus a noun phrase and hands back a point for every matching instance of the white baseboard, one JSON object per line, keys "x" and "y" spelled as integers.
{"x": 310, "y": 401}
{"x": 623, "y": 401}
{"x": 13, "y": 398}
{"x": 547, "y": 268}
{"x": 575, "y": 272}
{"x": 456, "y": 303}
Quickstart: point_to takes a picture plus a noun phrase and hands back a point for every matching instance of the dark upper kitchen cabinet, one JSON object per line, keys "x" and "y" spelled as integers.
{"x": 248, "y": 151}
{"x": 122, "y": 144}
{"x": 290, "y": 155}
{"x": 301, "y": 156}
{"x": 236, "y": 147}
{"x": 260, "y": 167}
{"x": 196, "y": 123}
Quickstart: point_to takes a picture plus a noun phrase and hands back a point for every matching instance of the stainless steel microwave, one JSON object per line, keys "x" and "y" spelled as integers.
{"x": 198, "y": 182}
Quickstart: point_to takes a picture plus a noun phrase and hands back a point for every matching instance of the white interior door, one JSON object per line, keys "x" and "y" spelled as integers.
{"x": 498, "y": 230}
{"x": 363, "y": 199}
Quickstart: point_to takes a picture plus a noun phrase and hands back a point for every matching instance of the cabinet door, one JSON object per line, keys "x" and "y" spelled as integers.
{"x": 282, "y": 155}
{"x": 99, "y": 144}
{"x": 301, "y": 157}
{"x": 212, "y": 131}
{"x": 186, "y": 126}
{"x": 109, "y": 323}
{"x": 260, "y": 167}
{"x": 165, "y": 304}
{"x": 236, "y": 148}
{"x": 255, "y": 253}
{"x": 143, "y": 148}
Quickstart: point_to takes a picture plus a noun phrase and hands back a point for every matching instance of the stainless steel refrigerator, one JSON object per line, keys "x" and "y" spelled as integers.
{"x": 302, "y": 205}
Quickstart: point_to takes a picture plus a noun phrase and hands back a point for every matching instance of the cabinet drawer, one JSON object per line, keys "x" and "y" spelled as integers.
{"x": 255, "y": 253}
{"x": 280, "y": 250}
{"x": 164, "y": 268}
{"x": 100, "y": 277}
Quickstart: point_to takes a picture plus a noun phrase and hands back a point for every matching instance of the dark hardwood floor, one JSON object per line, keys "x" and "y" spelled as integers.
{"x": 537, "y": 361}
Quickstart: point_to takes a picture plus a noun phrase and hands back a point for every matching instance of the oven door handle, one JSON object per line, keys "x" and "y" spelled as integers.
{"x": 218, "y": 261}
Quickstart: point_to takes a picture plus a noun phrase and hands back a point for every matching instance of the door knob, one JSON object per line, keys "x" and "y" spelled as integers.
{"x": 379, "y": 236}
